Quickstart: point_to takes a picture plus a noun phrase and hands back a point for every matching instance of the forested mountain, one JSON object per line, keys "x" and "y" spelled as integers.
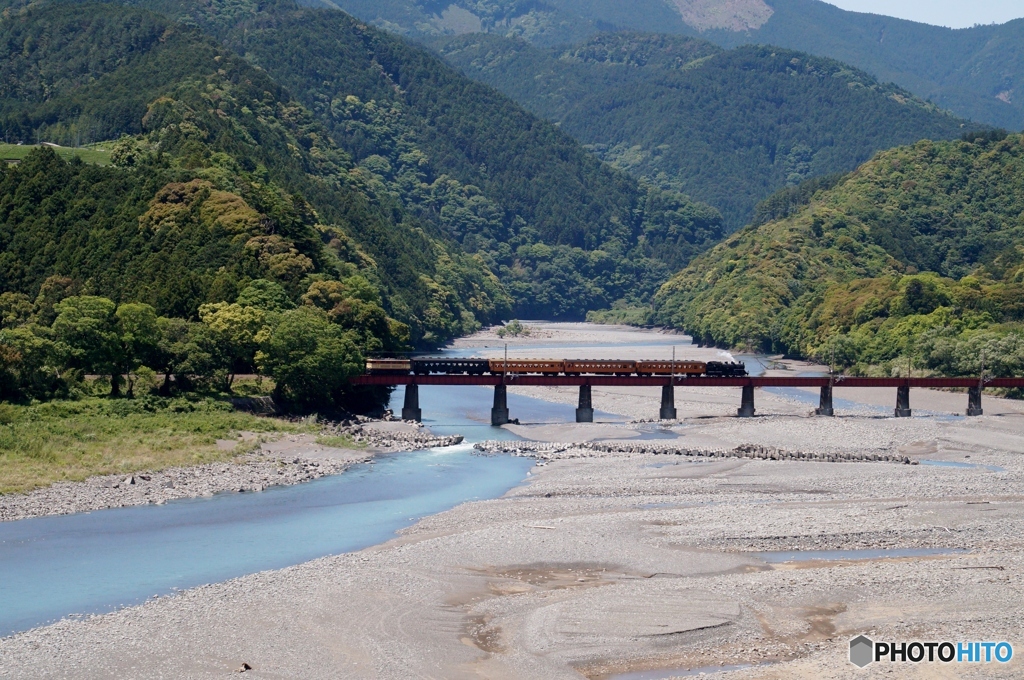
{"x": 204, "y": 115}
{"x": 542, "y": 22}
{"x": 977, "y": 73}
{"x": 229, "y": 233}
{"x": 725, "y": 127}
{"x": 563, "y": 232}
{"x": 916, "y": 254}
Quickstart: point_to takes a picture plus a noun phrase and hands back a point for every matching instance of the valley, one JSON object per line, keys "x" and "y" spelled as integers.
{"x": 232, "y": 233}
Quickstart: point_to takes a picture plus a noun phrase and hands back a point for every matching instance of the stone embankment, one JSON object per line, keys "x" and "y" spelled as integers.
{"x": 291, "y": 459}
{"x": 549, "y": 451}
{"x": 365, "y": 432}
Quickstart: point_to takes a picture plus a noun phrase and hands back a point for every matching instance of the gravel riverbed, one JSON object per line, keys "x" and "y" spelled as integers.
{"x": 617, "y": 557}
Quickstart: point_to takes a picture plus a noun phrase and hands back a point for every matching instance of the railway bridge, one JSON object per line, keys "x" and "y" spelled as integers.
{"x": 585, "y": 412}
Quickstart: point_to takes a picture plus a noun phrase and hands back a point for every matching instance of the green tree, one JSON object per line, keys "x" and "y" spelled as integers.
{"x": 31, "y": 365}
{"x": 235, "y": 328}
{"x": 15, "y": 309}
{"x": 171, "y": 352}
{"x": 309, "y": 358}
{"x": 86, "y": 327}
{"x": 269, "y": 296}
{"x": 139, "y": 338}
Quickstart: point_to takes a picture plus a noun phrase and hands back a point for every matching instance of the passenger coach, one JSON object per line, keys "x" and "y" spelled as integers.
{"x": 568, "y": 367}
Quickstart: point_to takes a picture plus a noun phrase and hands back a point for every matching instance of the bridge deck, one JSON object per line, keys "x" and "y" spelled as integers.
{"x": 679, "y": 381}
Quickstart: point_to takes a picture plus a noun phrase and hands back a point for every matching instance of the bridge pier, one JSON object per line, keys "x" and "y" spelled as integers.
{"x": 668, "y": 402}
{"x": 499, "y": 412}
{"x": 825, "y": 403}
{"x": 585, "y": 411}
{"x": 903, "y": 401}
{"x": 974, "y": 402}
{"x": 746, "y": 409}
{"x": 411, "y": 408}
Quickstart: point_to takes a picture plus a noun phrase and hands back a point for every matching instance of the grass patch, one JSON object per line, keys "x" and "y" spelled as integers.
{"x": 89, "y": 155}
{"x": 72, "y": 440}
{"x": 340, "y": 442}
{"x": 622, "y": 315}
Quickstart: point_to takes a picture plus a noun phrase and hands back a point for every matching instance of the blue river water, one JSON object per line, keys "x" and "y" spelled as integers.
{"x": 51, "y": 567}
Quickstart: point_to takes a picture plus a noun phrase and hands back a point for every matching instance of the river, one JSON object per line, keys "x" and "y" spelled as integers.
{"x": 88, "y": 563}
{"x": 51, "y": 567}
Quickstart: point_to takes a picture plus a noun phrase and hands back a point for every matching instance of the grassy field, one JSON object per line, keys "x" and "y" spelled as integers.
{"x": 72, "y": 440}
{"x": 89, "y": 155}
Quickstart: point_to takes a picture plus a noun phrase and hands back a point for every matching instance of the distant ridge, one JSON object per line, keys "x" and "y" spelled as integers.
{"x": 977, "y": 73}
{"x": 725, "y": 127}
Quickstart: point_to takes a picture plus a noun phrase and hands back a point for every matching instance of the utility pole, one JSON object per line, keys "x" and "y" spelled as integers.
{"x": 974, "y": 393}
{"x": 832, "y": 366}
{"x": 981, "y": 376}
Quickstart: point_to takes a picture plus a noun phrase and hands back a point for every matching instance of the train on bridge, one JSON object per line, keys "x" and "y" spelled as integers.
{"x": 554, "y": 367}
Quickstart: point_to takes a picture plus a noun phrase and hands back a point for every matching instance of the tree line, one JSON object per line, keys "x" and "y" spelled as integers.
{"x": 310, "y": 350}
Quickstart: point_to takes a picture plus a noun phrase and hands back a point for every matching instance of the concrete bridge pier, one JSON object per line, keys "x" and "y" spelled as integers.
{"x": 411, "y": 408}
{"x": 499, "y": 412}
{"x": 974, "y": 402}
{"x": 668, "y": 402}
{"x": 585, "y": 411}
{"x": 746, "y": 409}
{"x": 825, "y": 403}
{"x": 903, "y": 401}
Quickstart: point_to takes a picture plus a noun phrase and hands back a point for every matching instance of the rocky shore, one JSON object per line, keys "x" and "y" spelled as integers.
{"x": 292, "y": 459}
{"x": 550, "y": 451}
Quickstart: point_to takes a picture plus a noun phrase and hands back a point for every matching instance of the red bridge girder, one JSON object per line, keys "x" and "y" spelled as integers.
{"x": 679, "y": 381}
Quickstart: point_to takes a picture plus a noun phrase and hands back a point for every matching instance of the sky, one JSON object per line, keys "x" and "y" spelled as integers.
{"x": 952, "y": 13}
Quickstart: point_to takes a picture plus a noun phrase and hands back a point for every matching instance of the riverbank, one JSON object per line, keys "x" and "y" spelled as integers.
{"x": 262, "y": 461}
{"x": 605, "y": 565}
{"x": 614, "y": 558}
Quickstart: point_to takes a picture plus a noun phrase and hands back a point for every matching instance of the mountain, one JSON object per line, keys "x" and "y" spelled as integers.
{"x": 917, "y": 254}
{"x": 432, "y": 154}
{"x": 220, "y": 179}
{"x": 725, "y": 127}
{"x": 542, "y": 22}
{"x": 563, "y": 232}
{"x": 978, "y": 73}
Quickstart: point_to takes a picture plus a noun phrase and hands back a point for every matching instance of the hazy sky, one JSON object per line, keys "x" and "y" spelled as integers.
{"x": 954, "y": 13}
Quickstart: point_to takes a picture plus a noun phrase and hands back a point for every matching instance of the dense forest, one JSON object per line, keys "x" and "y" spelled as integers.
{"x": 405, "y": 204}
{"x": 975, "y": 72}
{"x": 286, "y": 190}
{"x": 725, "y": 127}
{"x": 231, "y": 202}
{"x": 915, "y": 257}
{"x": 563, "y": 232}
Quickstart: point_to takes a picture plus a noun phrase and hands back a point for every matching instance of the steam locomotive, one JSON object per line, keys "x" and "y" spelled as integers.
{"x": 568, "y": 367}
